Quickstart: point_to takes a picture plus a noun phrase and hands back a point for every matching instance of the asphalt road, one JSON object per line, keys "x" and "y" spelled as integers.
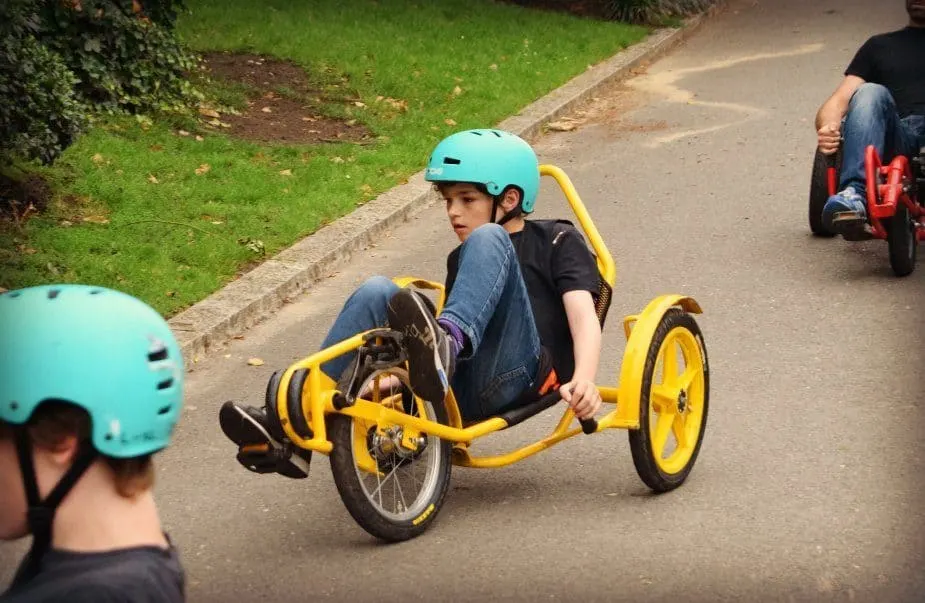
{"x": 807, "y": 487}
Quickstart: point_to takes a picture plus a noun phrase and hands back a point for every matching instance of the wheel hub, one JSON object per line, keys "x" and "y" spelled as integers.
{"x": 386, "y": 446}
{"x": 682, "y": 401}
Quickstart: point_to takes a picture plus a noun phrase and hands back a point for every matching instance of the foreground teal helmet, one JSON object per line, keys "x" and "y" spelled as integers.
{"x": 99, "y": 349}
{"x": 494, "y": 158}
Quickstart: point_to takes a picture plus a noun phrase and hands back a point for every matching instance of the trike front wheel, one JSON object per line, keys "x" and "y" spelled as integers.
{"x": 673, "y": 403}
{"x": 392, "y": 480}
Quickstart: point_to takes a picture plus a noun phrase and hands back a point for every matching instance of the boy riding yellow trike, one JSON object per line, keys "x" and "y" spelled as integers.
{"x": 392, "y": 449}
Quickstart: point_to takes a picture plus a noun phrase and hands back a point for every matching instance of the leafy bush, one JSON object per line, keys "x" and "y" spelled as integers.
{"x": 39, "y": 114}
{"x": 63, "y": 60}
{"x": 124, "y": 54}
{"x": 652, "y": 11}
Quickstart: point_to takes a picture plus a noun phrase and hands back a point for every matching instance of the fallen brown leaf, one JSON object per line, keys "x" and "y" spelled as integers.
{"x": 199, "y": 138}
{"x": 562, "y": 126}
{"x": 202, "y": 169}
{"x": 255, "y": 362}
{"x": 152, "y": 179}
{"x": 182, "y": 132}
{"x": 267, "y": 110}
{"x": 449, "y": 122}
{"x": 97, "y": 158}
{"x": 95, "y": 220}
{"x": 285, "y": 172}
{"x": 208, "y": 112}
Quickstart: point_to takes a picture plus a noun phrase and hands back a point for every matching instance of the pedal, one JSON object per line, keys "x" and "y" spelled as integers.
{"x": 258, "y": 452}
{"x": 267, "y": 458}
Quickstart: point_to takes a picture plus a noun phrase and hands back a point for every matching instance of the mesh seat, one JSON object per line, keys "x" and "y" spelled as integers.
{"x": 602, "y": 304}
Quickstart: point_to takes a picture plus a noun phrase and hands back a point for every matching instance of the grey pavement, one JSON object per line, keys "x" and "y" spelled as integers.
{"x": 808, "y": 484}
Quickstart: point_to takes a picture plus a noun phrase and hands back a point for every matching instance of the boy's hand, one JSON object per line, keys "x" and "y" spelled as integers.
{"x": 583, "y": 396}
{"x": 829, "y": 138}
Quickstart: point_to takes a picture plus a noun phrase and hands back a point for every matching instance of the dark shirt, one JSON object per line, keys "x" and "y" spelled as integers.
{"x": 895, "y": 60}
{"x": 136, "y": 575}
{"x": 554, "y": 259}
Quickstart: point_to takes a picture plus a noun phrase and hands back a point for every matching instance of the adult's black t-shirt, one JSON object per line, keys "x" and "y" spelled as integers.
{"x": 136, "y": 575}
{"x": 895, "y": 60}
{"x": 554, "y": 259}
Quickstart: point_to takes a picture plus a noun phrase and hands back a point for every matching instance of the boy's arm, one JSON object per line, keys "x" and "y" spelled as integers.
{"x": 581, "y": 393}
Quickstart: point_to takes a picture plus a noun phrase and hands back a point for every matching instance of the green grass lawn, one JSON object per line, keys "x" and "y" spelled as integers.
{"x": 132, "y": 212}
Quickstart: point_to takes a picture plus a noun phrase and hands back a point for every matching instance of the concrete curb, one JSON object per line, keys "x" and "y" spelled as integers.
{"x": 259, "y": 293}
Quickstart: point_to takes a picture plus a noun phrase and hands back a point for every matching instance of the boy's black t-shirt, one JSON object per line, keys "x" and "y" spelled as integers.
{"x": 136, "y": 575}
{"x": 895, "y": 60}
{"x": 554, "y": 259}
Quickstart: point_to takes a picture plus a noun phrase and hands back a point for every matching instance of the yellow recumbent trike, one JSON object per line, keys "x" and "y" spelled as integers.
{"x": 391, "y": 452}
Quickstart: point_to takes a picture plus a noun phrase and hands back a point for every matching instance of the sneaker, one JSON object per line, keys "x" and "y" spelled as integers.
{"x": 846, "y": 214}
{"x": 258, "y": 450}
{"x": 430, "y": 358}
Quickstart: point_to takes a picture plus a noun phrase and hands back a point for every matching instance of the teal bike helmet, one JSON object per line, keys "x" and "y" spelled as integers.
{"x": 101, "y": 350}
{"x": 493, "y": 158}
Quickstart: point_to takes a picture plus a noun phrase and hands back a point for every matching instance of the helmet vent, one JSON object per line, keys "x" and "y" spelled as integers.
{"x": 165, "y": 410}
{"x": 158, "y": 355}
{"x": 477, "y": 133}
{"x": 96, "y": 292}
{"x": 14, "y": 405}
{"x": 451, "y": 161}
{"x": 496, "y": 134}
{"x": 52, "y": 294}
{"x": 165, "y": 384}
{"x": 15, "y": 294}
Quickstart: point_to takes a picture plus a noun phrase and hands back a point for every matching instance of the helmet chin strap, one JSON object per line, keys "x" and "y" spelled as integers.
{"x": 41, "y": 513}
{"x": 507, "y": 216}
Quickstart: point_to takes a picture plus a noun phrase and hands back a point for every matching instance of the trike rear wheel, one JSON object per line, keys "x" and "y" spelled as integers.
{"x": 819, "y": 190}
{"x": 673, "y": 403}
{"x": 392, "y": 481}
{"x": 902, "y": 241}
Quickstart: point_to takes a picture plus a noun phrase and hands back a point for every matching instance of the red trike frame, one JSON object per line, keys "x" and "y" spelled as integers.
{"x": 882, "y": 199}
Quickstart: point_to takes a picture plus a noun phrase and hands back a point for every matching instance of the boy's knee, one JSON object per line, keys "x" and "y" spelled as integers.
{"x": 871, "y": 96}
{"x": 377, "y": 288}
{"x": 488, "y": 232}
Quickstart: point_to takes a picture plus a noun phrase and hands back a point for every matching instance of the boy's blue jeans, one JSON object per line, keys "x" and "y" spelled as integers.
{"x": 872, "y": 119}
{"x": 489, "y": 303}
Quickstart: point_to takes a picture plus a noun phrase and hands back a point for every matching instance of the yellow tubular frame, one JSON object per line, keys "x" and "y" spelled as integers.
{"x": 318, "y": 397}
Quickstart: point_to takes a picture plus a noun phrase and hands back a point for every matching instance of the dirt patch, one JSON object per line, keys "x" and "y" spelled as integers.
{"x": 21, "y": 199}
{"x": 282, "y": 106}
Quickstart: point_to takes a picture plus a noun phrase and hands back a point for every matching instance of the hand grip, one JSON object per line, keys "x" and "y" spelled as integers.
{"x": 588, "y": 425}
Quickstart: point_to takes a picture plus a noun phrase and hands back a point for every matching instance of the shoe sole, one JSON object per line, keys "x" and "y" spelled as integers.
{"x": 246, "y": 432}
{"x": 851, "y": 226}
{"x": 409, "y": 316}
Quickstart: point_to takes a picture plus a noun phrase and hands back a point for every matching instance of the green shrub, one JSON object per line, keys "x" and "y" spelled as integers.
{"x": 124, "y": 54}
{"x": 39, "y": 114}
{"x": 652, "y": 11}
{"x": 63, "y": 60}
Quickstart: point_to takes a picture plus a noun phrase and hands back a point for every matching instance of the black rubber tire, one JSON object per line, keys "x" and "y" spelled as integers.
{"x": 294, "y": 403}
{"x": 340, "y": 432}
{"x": 902, "y": 241}
{"x": 641, "y": 439}
{"x": 819, "y": 192}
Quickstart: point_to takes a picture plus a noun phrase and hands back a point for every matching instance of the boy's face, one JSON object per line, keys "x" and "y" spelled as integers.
{"x": 12, "y": 493}
{"x": 466, "y": 207}
{"x": 916, "y": 10}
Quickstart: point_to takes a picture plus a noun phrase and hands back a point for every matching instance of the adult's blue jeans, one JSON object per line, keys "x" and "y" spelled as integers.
{"x": 872, "y": 119}
{"x": 489, "y": 303}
